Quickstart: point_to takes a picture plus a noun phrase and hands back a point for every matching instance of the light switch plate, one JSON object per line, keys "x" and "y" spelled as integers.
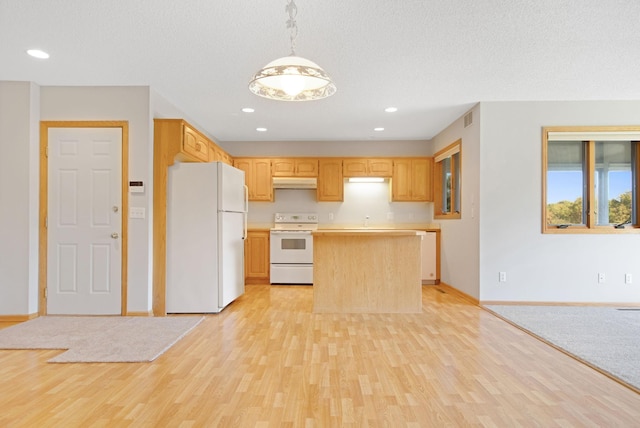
{"x": 136, "y": 212}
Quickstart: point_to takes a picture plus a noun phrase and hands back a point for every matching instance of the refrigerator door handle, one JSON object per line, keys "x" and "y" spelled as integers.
{"x": 246, "y": 211}
{"x": 246, "y": 198}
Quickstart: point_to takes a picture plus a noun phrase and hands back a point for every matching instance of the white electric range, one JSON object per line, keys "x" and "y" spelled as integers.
{"x": 291, "y": 249}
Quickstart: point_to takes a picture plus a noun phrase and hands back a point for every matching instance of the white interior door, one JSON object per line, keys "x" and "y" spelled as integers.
{"x": 84, "y": 251}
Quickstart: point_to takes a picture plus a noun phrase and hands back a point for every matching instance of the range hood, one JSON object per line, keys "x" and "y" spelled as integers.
{"x": 295, "y": 182}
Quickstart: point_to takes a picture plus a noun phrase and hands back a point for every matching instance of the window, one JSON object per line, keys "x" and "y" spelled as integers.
{"x": 448, "y": 181}
{"x": 590, "y": 179}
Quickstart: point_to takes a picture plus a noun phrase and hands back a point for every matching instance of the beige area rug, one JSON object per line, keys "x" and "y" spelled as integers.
{"x": 99, "y": 339}
{"x": 605, "y": 338}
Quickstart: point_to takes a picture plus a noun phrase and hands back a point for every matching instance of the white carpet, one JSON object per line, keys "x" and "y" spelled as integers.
{"x": 604, "y": 337}
{"x": 99, "y": 339}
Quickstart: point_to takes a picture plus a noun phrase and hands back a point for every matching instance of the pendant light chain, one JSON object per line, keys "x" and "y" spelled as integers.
{"x": 292, "y": 10}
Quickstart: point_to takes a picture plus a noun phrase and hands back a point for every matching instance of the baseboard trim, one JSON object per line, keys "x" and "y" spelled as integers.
{"x": 17, "y": 318}
{"x": 140, "y": 314}
{"x": 256, "y": 281}
{"x": 452, "y": 290}
{"x": 527, "y": 303}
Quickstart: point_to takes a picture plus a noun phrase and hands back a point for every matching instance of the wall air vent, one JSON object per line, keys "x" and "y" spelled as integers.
{"x": 468, "y": 119}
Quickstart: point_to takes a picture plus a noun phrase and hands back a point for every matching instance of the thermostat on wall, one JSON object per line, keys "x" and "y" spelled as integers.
{"x": 136, "y": 187}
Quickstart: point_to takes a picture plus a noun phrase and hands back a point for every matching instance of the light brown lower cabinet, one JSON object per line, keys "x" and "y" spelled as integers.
{"x": 256, "y": 257}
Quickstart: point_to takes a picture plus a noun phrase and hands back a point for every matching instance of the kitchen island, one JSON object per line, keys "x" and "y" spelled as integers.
{"x": 367, "y": 271}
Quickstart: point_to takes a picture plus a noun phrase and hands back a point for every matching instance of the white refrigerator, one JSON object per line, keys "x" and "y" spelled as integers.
{"x": 206, "y": 227}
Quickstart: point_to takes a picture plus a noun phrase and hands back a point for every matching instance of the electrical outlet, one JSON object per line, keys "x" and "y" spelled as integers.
{"x": 627, "y": 278}
{"x": 389, "y": 216}
{"x": 601, "y": 277}
{"x": 503, "y": 277}
{"x": 330, "y": 216}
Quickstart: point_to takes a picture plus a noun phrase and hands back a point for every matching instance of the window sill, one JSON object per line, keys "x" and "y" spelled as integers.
{"x": 453, "y": 216}
{"x": 598, "y": 230}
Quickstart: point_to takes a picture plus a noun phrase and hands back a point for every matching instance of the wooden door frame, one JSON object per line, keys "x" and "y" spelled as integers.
{"x": 44, "y": 201}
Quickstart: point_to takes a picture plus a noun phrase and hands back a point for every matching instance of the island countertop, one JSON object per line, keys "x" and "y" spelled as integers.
{"x": 367, "y": 232}
{"x": 367, "y": 271}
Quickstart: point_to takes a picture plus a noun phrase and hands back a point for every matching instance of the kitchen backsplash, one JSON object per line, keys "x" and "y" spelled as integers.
{"x": 360, "y": 200}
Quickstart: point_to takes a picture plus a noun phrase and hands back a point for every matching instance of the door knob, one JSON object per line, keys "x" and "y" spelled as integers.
{"x": 114, "y": 235}
{"x": 115, "y": 208}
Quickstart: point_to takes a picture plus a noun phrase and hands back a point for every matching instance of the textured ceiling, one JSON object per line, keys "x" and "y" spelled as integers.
{"x": 433, "y": 59}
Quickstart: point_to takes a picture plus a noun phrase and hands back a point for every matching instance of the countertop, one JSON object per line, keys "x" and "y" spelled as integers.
{"x": 431, "y": 227}
{"x": 400, "y": 226}
{"x": 367, "y": 232}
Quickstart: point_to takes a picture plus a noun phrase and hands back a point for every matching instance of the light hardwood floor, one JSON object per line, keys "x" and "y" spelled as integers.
{"x": 268, "y": 361}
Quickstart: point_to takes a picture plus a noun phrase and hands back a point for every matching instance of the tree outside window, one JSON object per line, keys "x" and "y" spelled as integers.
{"x": 590, "y": 179}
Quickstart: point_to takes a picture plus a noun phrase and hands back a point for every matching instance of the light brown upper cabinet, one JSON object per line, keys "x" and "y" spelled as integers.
{"x": 372, "y": 167}
{"x": 183, "y": 142}
{"x": 226, "y": 158}
{"x": 195, "y": 144}
{"x": 412, "y": 180}
{"x": 257, "y": 176}
{"x": 216, "y": 154}
{"x": 294, "y": 167}
{"x": 330, "y": 180}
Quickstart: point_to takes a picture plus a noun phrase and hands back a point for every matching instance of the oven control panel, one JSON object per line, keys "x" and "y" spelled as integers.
{"x": 296, "y": 218}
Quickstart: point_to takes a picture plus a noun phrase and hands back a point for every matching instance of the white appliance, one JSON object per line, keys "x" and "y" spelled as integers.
{"x": 206, "y": 227}
{"x": 429, "y": 259}
{"x": 291, "y": 248}
{"x": 294, "y": 182}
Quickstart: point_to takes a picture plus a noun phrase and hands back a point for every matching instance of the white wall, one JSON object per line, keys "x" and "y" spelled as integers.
{"x": 544, "y": 268}
{"x": 118, "y": 103}
{"x": 360, "y": 200}
{"x": 162, "y": 108}
{"x": 24, "y": 104}
{"x": 328, "y": 148}
{"x": 460, "y": 238}
{"x": 500, "y": 228}
{"x": 19, "y": 166}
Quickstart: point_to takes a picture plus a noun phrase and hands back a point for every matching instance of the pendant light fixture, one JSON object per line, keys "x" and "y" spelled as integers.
{"x": 292, "y": 78}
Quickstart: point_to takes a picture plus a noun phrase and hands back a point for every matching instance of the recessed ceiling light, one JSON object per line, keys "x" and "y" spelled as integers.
{"x": 378, "y": 129}
{"x": 261, "y": 129}
{"x": 37, "y": 53}
{"x": 248, "y": 110}
{"x": 391, "y": 109}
